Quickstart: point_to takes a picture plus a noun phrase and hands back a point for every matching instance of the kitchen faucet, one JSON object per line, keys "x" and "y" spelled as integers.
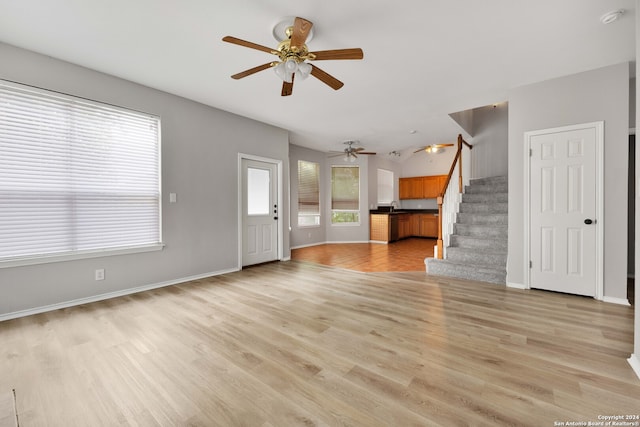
{"x": 394, "y": 205}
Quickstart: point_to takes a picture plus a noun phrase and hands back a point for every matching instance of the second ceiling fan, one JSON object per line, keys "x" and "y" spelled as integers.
{"x": 294, "y": 56}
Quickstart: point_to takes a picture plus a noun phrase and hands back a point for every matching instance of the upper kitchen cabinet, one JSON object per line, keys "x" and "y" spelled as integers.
{"x": 422, "y": 187}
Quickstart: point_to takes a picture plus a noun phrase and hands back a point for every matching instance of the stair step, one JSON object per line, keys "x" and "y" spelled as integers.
{"x": 491, "y": 207}
{"x": 473, "y": 256}
{"x": 481, "y": 230}
{"x": 478, "y": 248}
{"x": 485, "y": 197}
{"x": 489, "y": 180}
{"x": 441, "y": 267}
{"x": 487, "y": 188}
{"x": 480, "y": 218}
{"x": 491, "y": 244}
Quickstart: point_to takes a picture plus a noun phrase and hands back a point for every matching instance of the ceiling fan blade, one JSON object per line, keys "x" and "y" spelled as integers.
{"x": 240, "y": 42}
{"x": 419, "y": 150}
{"x": 287, "y": 88}
{"x": 326, "y": 78}
{"x": 371, "y": 153}
{"x": 441, "y": 145}
{"x": 301, "y": 29}
{"x": 355, "y": 53}
{"x": 253, "y": 70}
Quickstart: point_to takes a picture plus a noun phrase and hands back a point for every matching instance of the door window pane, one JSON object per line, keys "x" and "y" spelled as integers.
{"x": 258, "y": 183}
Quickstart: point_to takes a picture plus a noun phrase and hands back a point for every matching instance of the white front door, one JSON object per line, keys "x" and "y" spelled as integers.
{"x": 259, "y": 212}
{"x": 564, "y": 209}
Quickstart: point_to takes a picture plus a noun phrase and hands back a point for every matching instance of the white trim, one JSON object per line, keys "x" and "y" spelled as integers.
{"x": 347, "y": 241}
{"x": 281, "y": 208}
{"x": 599, "y": 128}
{"x": 379, "y": 242}
{"x": 516, "y": 285}
{"x": 109, "y": 295}
{"x": 620, "y": 301}
{"x": 45, "y": 259}
{"x": 634, "y": 361}
{"x": 308, "y": 245}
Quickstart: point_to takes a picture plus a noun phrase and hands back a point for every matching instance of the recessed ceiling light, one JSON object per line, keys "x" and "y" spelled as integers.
{"x": 612, "y": 16}
{"x": 412, "y": 131}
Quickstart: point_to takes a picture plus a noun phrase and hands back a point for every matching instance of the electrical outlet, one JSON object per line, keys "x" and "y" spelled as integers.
{"x": 100, "y": 274}
{"x": 309, "y": 235}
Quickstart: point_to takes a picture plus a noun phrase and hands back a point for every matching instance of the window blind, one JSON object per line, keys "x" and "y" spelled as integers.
{"x": 75, "y": 175}
{"x": 308, "y": 187}
{"x": 345, "y": 188}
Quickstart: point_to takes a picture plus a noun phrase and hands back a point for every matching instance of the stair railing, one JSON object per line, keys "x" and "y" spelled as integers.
{"x": 450, "y": 196}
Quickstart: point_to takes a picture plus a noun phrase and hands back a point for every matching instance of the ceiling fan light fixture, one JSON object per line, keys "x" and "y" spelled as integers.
{"x": 282, "y": 72}
{"x": 350, "y": 157}
{"x": 304, "y": 69}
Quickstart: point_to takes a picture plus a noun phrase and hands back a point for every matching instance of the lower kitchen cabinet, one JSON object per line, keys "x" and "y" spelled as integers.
{"x": 388, "y": 228}
{"x": 428, "y": 225}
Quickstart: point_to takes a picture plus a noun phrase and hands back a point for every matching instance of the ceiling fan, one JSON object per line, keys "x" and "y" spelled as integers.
{"x": 350, "y": 153}
{"x": 434, "y": 148}
{"x": 294, "y": 55}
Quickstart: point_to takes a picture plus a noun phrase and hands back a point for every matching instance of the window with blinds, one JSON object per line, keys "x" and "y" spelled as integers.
{"x": 308, "y": 194}
{"x": 345, "y": 194}
{"x": 77, "y": 177}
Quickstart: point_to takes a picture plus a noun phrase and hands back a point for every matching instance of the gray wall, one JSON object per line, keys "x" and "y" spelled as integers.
{"x": 490, "y": 141}
{"x": 200, "y": 147}
{"x": 380, "y": 162}
{"x": 601, "y": 94}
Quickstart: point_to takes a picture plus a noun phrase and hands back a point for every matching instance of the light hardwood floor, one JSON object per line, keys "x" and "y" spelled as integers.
{"x": 298, "y": 344}
{"x": 404, "y": 255}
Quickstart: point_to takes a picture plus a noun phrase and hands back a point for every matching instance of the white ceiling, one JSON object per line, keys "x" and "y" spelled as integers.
{"x": 422, "y": 59}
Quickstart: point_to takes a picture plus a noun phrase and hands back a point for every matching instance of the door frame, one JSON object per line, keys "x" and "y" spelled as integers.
{"x": 599, "y": 129}
{"x": 279, "y": 198}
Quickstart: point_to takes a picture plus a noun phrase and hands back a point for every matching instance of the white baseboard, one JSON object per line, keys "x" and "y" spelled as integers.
{"x": 612, "y": 300}
{"x": 379, "y": 242}
{"x": 516, "y": 285}
{"x": 336, "y": 243}
{"x": 108, "y": 295}
{"x": 634, "y": 361}
{"x": 308, "y": 245}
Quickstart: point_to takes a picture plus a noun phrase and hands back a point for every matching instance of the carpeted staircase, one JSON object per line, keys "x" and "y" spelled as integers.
{"x": 478, "y": 246}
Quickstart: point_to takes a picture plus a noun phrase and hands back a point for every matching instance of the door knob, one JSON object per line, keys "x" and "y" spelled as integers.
{"x": 275, "y": 217}
{"x": 588, "y": 221}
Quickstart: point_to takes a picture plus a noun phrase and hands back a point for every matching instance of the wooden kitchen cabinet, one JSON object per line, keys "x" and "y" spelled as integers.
{"x": 411, "y": 188}
{"x": 385, "y": 227}
{"x": 428, "y": 225}
{"x": 414, "y": 225}
{"x": 379, "y": 227}
{"x": 421, "y": 187}
{"x": 404, "y": 225}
